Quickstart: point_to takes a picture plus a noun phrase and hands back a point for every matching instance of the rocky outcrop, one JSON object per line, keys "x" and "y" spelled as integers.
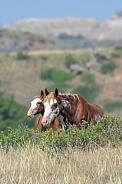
{"x": 90, "y": 28}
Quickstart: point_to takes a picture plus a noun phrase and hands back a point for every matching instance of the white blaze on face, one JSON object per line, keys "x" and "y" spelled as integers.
{"x": 32, "y": 110}
{"x": 34, "y": 103}
{"x": 48, "y": 108}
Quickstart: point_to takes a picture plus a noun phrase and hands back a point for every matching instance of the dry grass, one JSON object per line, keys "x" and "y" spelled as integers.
{"x": 34, "y": 166}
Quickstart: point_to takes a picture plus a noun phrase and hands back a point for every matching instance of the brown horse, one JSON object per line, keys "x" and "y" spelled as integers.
{"x": 73, "y": 107}
{"x": 55, "y": 125}
{"x": 37, "y": 107}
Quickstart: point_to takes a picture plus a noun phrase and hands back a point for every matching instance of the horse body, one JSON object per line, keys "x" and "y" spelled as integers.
{"x": 72, "y": 106}
{"x": 37, "y": 107}
{"x": 78, "y": 110}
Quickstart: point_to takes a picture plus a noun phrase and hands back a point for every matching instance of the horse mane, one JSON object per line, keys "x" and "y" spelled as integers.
{"x": 71, "y": 96}
{"x": 49, "y": 96}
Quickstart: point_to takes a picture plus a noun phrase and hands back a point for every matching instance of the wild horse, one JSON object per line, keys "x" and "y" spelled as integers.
{"x": 72, "y": 107}
{"x": 37, "y": 107}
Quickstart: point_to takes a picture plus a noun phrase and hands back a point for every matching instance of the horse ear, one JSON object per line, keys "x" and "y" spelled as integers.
{"x": 42, "y": 94}
{"x": 46, "y": 91}
{"x": 56, "y": 92}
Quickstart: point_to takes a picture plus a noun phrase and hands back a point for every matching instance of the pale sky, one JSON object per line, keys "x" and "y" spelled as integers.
{"x": 101, "y": 10}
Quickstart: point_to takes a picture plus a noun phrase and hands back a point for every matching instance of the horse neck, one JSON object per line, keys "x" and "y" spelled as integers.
{"x": 67, "y": 104}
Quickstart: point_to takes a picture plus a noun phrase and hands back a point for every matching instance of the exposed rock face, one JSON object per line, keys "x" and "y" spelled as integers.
{"x": 90, "y": 28}
{"x": 111, "y": 29}
{"x": 72, "y": 26}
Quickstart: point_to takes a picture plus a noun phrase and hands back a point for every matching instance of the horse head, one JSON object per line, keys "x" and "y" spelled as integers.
{"x": 53, "y": 105}
{"x": 36, "y": 105}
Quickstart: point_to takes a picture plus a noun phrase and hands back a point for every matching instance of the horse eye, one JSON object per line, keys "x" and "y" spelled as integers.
{"x": 39, "y": 103}
{"x": 54, "y": 106}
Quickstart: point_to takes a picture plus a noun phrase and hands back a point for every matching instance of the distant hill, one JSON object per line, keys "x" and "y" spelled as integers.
{"x": 71, "y": 32}
{"x": 47, "y": 27}
{"x": 16, "y": 41}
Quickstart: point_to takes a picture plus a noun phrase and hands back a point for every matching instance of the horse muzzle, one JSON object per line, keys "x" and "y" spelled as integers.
{"x": 46, "y": 121}
{"x": 31, "y": 113}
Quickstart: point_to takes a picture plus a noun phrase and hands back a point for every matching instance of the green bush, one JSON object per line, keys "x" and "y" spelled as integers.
{"x": 69, "y": 60}
{"x": 88, "y": 92}
{"x": 56, "y": 75}
{"x": 11, "y": 113}
{"x": 118, "y": 48}
{"x": 107, "y": 131}
{"x": 61, "y": 76}
{"x": 88, "y": 78}
{"x": 22, "y": 56}
{"x": 111, "y": 106}
{"x": 107, "y": 68}
{"x": 46, "y": 74}
{"x": 100, "y": 57}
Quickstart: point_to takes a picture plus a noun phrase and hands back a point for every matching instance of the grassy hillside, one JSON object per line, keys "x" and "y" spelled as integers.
{"x": 24, "y": 74}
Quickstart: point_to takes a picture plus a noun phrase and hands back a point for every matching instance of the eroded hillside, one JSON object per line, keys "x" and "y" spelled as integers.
{"x": 61, "y": 33}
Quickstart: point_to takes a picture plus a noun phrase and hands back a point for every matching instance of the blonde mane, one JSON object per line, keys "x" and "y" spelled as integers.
{"x": 49, "y": 97}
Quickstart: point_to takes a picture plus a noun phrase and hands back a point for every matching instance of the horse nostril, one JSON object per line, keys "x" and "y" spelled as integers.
{"x": 46, "y": 122}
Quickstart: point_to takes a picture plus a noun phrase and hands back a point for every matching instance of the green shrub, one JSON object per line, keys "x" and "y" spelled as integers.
{"x": 107, "y": 68}
{"x": 88, "y": 78}
{"x": 100, "y": 57}
{"x": 111, "y": 106}
{"x": 107, "y": 131}
{"x": 22, "y": 56}
{"x": 69, "y": 60}
{"x": 11, "y": 113}
{"x": 46, "y": 74}
{"x": 61, "y": 76}
{"x": 118, "y": 48}
{"x": 56, "y": 75}
{"x": 88, "y": 92}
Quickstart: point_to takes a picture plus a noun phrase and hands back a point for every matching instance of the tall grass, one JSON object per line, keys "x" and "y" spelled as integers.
{"x": 31, "y": 165}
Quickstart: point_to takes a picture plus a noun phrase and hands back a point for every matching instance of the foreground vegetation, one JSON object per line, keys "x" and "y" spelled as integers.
{"x": 68, "y": 156}
{"x": 74, "y": 166}
{"x": 107, "y": 131}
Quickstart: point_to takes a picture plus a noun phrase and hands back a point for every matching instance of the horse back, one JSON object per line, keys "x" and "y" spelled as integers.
{"x": 95, "y": 112}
